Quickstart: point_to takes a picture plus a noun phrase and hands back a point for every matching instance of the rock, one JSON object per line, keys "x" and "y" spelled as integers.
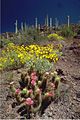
{"x": 50, "y": 114}
{"x": 78, "y": 94}
{"x": 19, "y": 71}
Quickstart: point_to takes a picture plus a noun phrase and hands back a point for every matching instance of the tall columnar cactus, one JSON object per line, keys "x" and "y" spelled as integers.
{"x": 7, "y": 36}
{"x": 25, "y": 27}
{"x": 39, "y": 26}
{"x": 68, "y": 22}
{"x": 47, "y": 21}
{"x": 36, "y": 23}
{"x": 56, "y": 23}
{"x": 50, "y": 22}
{"x": 35, "y": 89}
{"x": 16, "y": 27}
{"x": 22, "y": 27}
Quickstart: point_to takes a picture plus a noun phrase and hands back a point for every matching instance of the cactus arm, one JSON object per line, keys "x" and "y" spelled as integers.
{"x": 18, "y": 98}
{"x": 35, "y": 109}
{"x": 28, "y": 81}
{"x": 57, "y": 82}
{"x": 58, "y": 89}
{"x": 13, "y": 89}
{"x": 44, "y": 84}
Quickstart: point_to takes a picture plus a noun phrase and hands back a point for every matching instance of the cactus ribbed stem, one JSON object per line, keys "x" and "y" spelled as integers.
{"x": 35, "y": 109}
{"x": 13, "y": 89}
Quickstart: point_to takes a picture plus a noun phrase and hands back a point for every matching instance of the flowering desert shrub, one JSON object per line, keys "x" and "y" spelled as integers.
{"x": 14, "y": 55}
{"x": 55, "y": 36}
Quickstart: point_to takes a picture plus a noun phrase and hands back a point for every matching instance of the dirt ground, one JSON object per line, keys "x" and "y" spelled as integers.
{"x": 67, "y": 106}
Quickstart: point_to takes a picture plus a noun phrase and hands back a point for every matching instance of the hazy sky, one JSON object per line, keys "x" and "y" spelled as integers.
{"x": 27, "y": 10}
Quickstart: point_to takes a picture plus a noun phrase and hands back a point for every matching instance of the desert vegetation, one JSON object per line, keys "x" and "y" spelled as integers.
{"x": 38, "y": 57}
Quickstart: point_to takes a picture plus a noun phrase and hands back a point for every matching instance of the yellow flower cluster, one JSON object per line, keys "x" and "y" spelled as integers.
{"x": 55, "y": 36}
{"x": 2, "y": 62}
{"x": 47, "y": 52}
{"x": 16, "y": 55}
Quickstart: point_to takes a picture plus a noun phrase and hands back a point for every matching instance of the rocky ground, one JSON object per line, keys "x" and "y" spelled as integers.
{"x": 67, "y": 106}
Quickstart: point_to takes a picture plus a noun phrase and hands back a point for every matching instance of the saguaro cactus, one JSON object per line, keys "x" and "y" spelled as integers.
{"x": 22, "y": 27}
{"x": 39, "y": 26}
{"x": 47, "y": 21}
{"x": 16, "y": 26}
{"x": 7, "y": 36}
{"x": 36, "y": 23}
{"x": 56, "y": 22}
{"x": 50, "y": 22}
{"x": 68, "y": 17}
{"x": 25, "y": 26}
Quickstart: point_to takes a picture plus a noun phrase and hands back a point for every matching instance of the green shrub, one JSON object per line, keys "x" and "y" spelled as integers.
{"x": 41, "y": 65}
{"x": 4, "y": 42}
{"x": 67, "y": 32}
{"x": 30, "y": 36}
